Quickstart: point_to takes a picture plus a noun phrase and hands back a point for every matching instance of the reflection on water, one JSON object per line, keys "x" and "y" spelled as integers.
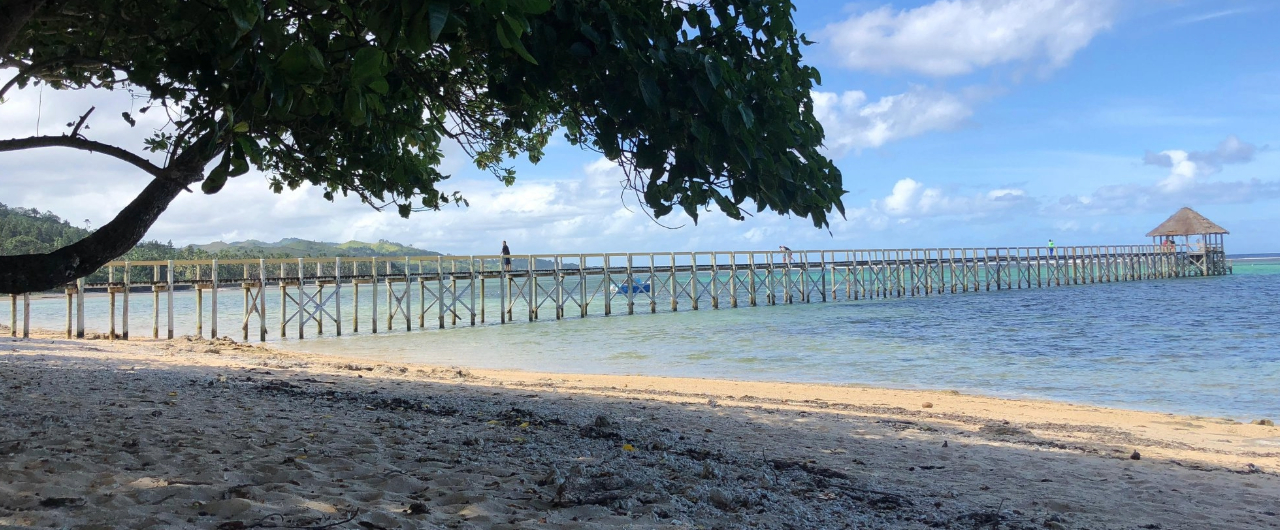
{"x": 1199, "y": 345}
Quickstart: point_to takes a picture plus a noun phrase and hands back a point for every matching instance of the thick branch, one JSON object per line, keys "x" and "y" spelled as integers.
{"x": 40, "y": 272}
{"x": 84, "y": 144}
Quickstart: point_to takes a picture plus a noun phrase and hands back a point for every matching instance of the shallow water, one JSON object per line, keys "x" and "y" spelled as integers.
{"x": 1206, "y": 346}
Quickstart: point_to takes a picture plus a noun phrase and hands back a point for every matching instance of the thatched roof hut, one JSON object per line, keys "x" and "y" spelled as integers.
{"x": 1187, "y": 222}
{"x": 1206, "y": 253}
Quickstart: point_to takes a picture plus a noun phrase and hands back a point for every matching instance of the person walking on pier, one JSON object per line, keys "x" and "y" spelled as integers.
{"x": 506, "y": 257}
{"x": 786, "y": 254}
{"x": 1050, "y": 247}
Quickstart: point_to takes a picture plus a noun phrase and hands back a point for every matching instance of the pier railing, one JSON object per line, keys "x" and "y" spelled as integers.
{"x": 304, "y": 294}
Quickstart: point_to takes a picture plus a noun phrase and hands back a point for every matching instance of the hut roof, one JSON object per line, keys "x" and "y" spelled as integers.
{"x": 1186, "y": 222}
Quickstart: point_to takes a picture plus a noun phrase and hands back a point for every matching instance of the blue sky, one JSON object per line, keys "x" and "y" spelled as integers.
{"x": 955, "y": 123}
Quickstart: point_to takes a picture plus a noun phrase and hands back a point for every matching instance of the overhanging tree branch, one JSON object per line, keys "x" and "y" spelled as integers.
{"x": 36, "y": 68}
{"x": 84, "y": 144}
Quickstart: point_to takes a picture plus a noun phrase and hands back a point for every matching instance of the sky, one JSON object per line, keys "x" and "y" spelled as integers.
{"x": 956, "y": 123}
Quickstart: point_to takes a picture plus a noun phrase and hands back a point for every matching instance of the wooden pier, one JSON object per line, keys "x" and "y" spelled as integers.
{"x": 310, "y": 295}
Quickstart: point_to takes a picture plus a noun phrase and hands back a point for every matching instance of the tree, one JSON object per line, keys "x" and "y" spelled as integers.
{"x": 700, "y": 103}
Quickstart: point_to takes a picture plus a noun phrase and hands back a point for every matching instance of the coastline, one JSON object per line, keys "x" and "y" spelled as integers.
{"x": 160, "y": 432}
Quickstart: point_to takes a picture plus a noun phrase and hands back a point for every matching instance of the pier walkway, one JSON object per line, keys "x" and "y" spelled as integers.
{"x": 308, "y": 296}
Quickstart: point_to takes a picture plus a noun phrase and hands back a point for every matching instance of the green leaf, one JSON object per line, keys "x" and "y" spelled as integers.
{"x": 439, "y": 13}
{"x": 370, "y": 63}
{"x": 218, "y": 177}
{"x": 244, "y": 13}
{"x": 713, "y": 71}
{"x": 502, "y": 36}
{"x": 353, "y": 107}
{"x": 650, "y": 92}
{"x": 298, "y": 63}
{"x": 241, "y": 127}
{"x": 379, "y": 86}
{"x": 748, "y": 118}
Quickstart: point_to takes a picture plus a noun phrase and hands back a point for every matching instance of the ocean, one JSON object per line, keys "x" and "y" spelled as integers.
{"x": 1200, "y": 346}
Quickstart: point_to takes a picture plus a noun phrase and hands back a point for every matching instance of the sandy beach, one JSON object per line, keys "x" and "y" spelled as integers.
{"x": 214, "y": 434}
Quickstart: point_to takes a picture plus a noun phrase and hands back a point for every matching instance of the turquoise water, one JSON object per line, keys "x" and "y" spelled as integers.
{"x": 1206, "y": 346}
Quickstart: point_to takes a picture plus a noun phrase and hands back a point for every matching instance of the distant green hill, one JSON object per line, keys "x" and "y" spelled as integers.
{"x": 29, "y": 231}
{"x": 301, "y": 248}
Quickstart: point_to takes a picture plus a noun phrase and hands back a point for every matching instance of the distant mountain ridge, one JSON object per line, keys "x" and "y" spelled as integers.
{"x": 302, "y": 248}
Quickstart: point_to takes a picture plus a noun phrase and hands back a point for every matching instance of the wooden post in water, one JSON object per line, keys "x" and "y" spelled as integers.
{"x": 582, "y": 285}
{"x": 199, "y": 305}
{"x": 124, "y": 314}
{"x": 13, "y": 315}
{"x": 607, "y": 287}
{"x": 70, "y": 292}
{"x": 169, "y": 307}
{"x": 26, "y": 315}
{"x": 532, "y": 297}
{"x": 262, "y": 301}
{"x": 355, "y": 296}
{"x": 715, "y": 282}
{"x": 653, "y": 300}
{"x": 155, "y": 301}
{"x": 111, "y": 296}
{"x": 472, "y": 289}
{"x": 733, "y": 280}
{"x": 631, "y": 288}
{"x": 80, "y": 308}
{"x": 213, "y": 301}
{"x": 284, "y": 300}
{"x": 337, "y": 296}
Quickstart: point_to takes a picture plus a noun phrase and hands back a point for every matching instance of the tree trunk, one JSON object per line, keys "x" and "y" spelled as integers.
{"x": 39, "y": 272}
{"x": 13, "y": 15}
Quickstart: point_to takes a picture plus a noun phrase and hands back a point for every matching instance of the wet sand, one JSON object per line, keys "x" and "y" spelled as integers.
{"x": 214, "y": 434}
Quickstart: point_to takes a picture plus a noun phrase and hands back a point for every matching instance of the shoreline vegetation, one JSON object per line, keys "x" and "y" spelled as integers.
{"x": 195, "y": 433}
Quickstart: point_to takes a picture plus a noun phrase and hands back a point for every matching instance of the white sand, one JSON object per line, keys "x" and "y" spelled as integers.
{"x": 201, "y": 434}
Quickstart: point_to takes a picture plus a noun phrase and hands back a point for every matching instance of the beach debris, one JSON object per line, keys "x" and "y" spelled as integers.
{"x": 926, "y": 405}
{"x": 417, "y": 508}
{"x": 1135, "y": 456}
{"x": 720, "y": 499}
{"x": 61, "y": 502}
{"x": 601, "y": 429}
{"x": 553, "y": 478}
{"x": 628, "y": 448}
{"x": 708, "y": 472}
{"x": 1267, "y": 423}
{"x": 1002, "y": 429}
{"x": 944, "y": 443}
{"x": 1250, "y": 469}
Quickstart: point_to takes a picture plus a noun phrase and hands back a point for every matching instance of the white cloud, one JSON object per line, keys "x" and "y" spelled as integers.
{"x": 1188, "y": 182}
{"x": 956, "y": 37}
{"x": 853, "y": 124}
{"x": 1186, "y": 169}
{"x": 911, "y": 199}
{"x": 1193, "y": 19}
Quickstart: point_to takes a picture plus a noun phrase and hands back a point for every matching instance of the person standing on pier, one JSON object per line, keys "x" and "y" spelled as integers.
{"x": 1050, "y": 247}
{"x": 506, "y": 257}
{"x": 786, "y": 253}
